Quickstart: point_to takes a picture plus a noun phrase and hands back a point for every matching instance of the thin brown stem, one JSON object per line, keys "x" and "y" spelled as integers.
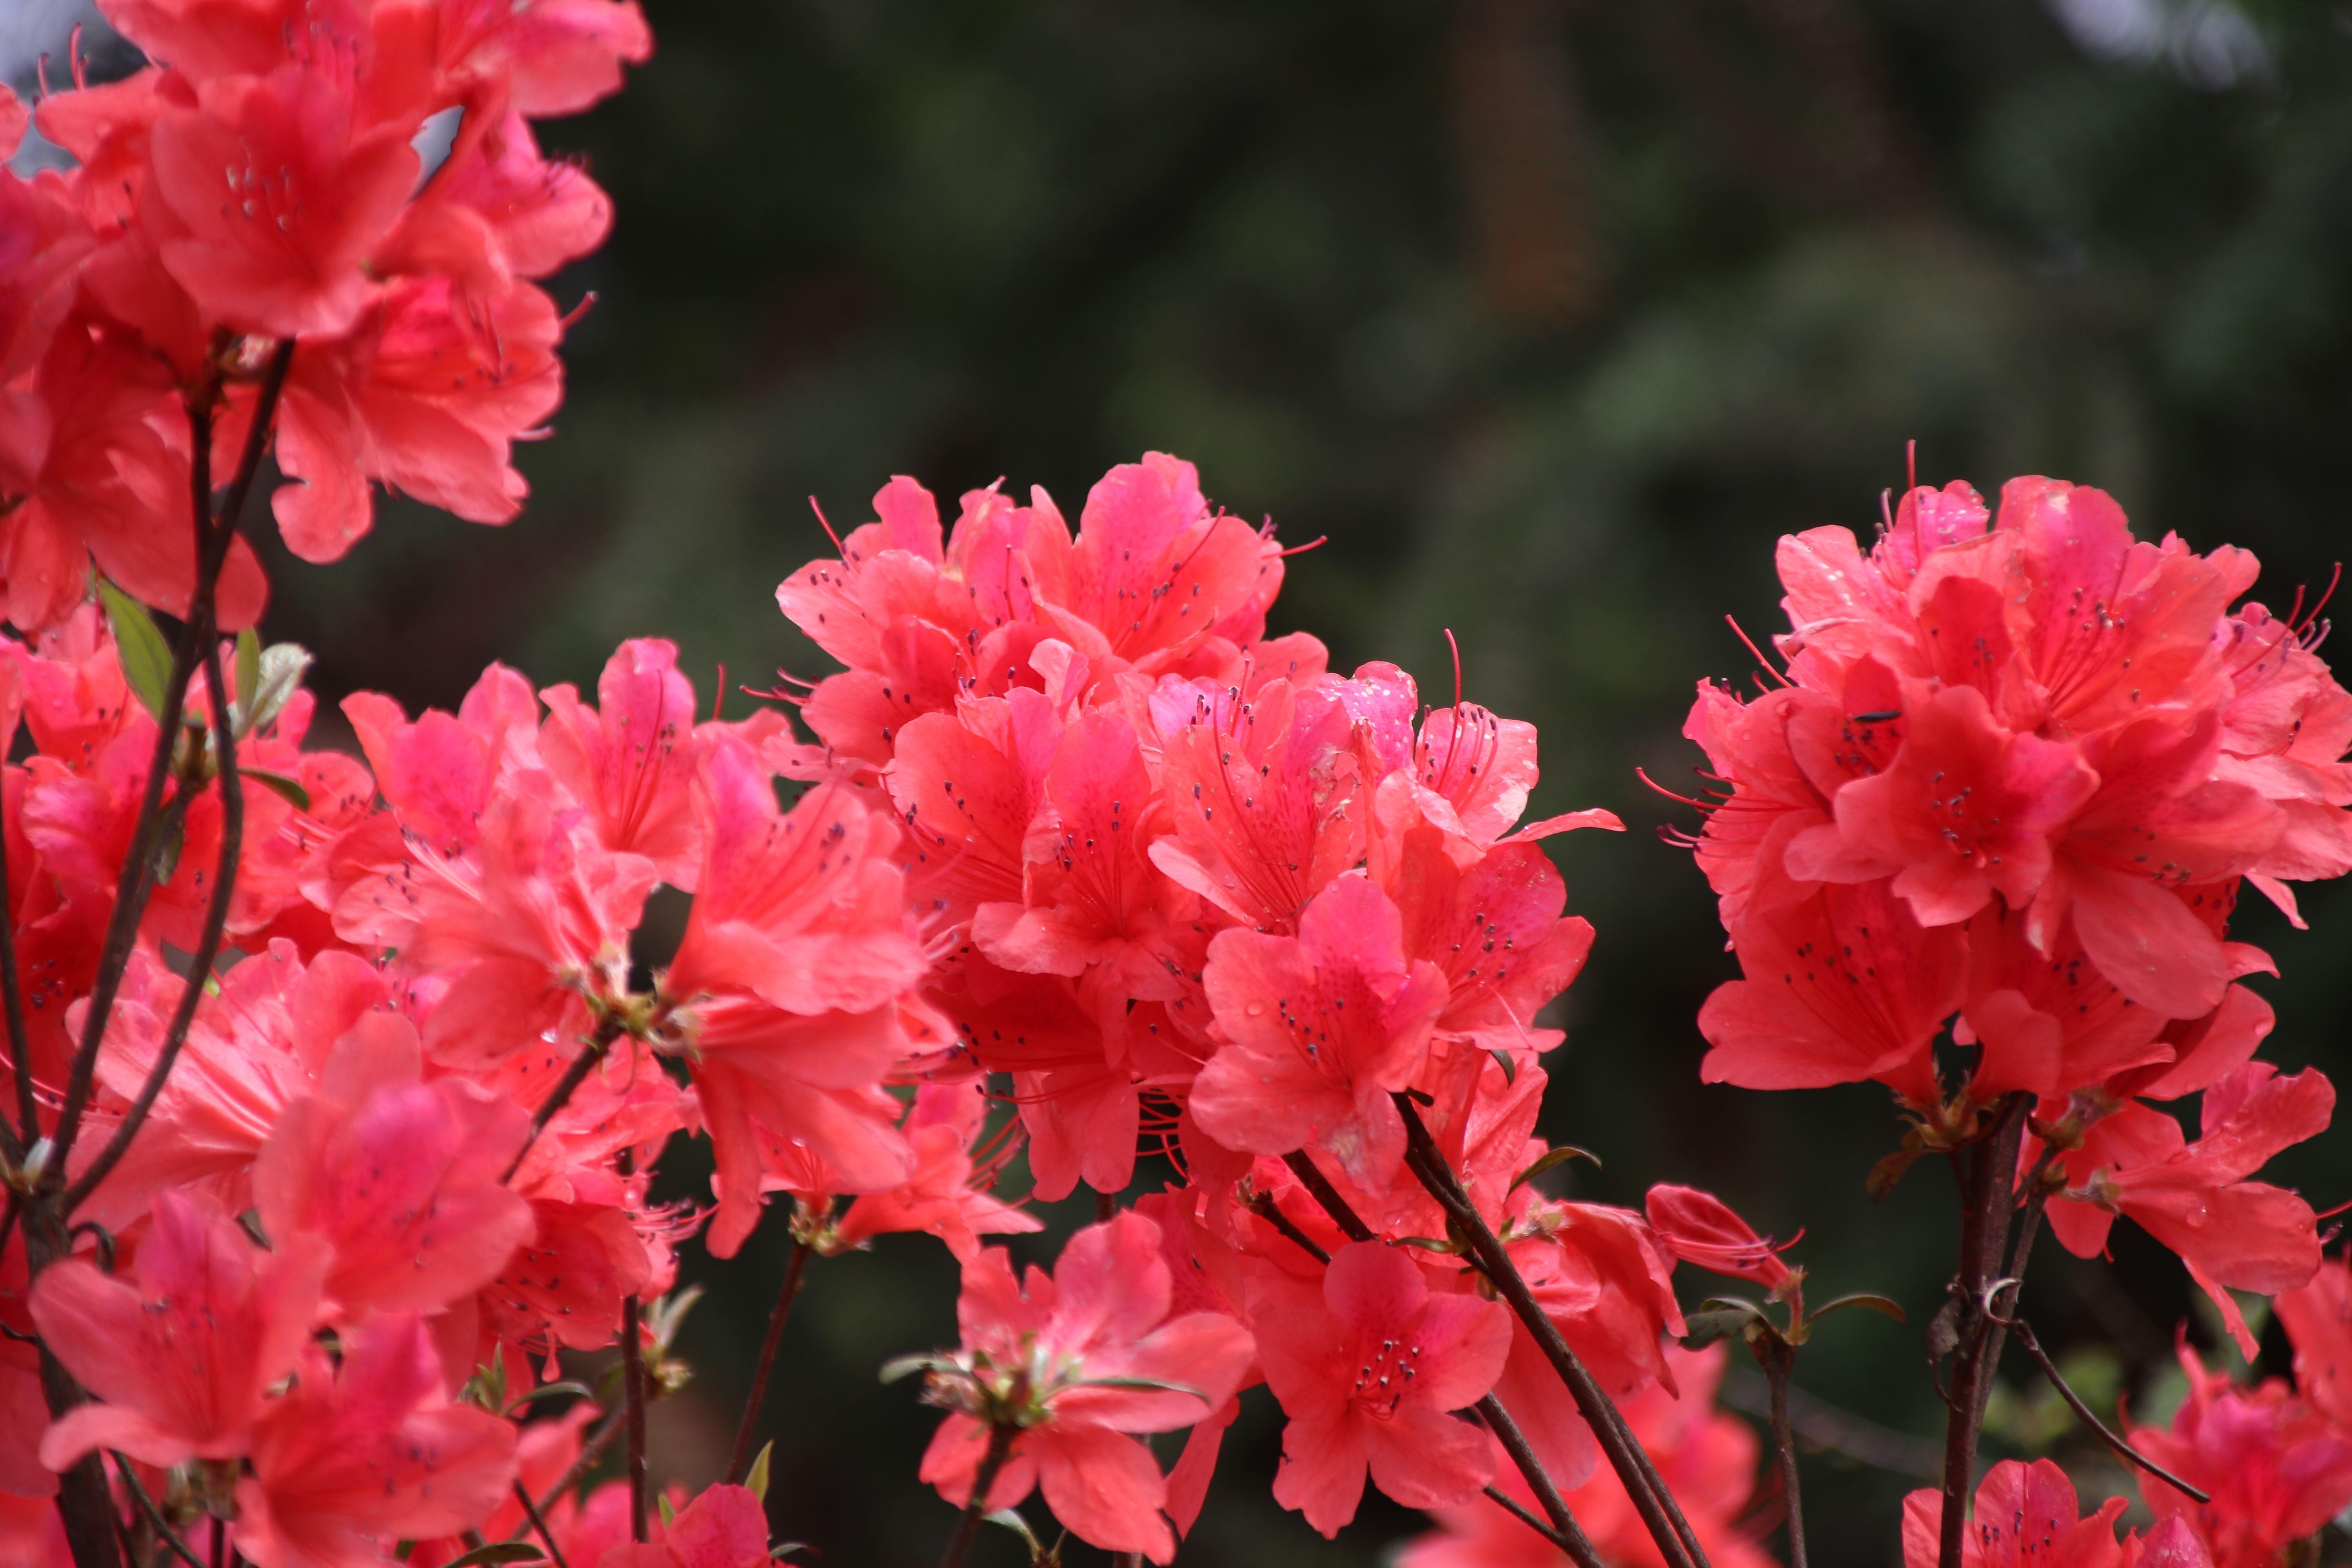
{"x": 632, "y": 1394}
{"x": 539, "y": 1522}
{"x": 136, "y": 883}
{"x": 221, "y": 1553}
{"x": 1000, "y": 1447}
{"x": 209, "y": 941}
{"x": 14, "y": 1140}
{"x": 1563, "y": 1532}
{"x": 2036, "y": 1190}
{"x": 2124, "y": 1450}
{"x": 591, "y": 1452}
{"x": 1266, "y": 1208}
{"x": 155, "y": 1522}
{"x": 592, "y": 1051}
{"x": 1312, "y": 1178}
{"x": 1987, "y": 1198}
{"x": 795, "y": 1267}
{"x": 1533, "y": 1520}
{"x": 1661, "y": 1516}
{"x": 1775, "y": 1360}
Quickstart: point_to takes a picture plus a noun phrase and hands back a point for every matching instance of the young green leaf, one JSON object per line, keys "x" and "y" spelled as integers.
{"x": 499, "y": 1552}
{"x": 1879, "y": 1304}
{"x": 755, "y": 1480}
{"x": 548, "y": 1390}
{"x": 289, "y": 790}
{"x": 248, "y": 671}
{"x": 139, "y": 643}
{"x": 1558, "y": 1156}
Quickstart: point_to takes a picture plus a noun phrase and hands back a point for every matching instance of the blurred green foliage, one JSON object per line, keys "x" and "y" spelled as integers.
{"x": 1552, "y": 317}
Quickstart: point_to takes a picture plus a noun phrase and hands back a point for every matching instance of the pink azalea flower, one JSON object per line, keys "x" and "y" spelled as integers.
{"x": 2026, "y": 1516}
{"x": 1320, "y": 1029}
{"x": 403, "y": 1179}
{"x": 1079, "y": 1358}
{"x": 2277, "y": 1469}
{"x": 355, "y": 1456}
{"x": 1365, "y": 1376}
{"x": 726, "y": 1527}
{"x": 182, "y": 1360}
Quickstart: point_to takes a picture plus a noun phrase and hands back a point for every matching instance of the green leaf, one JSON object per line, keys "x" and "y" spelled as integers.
{"x": 289, "y": 790}
{"x": 248, "y": 669}
{"x": 1429, "y": 1244}
{"x": 1720, "y": 1318}
{"x": 139, "y": 643}
{"x": 755, "y": 1480}
{"x": 1879, "y": 1304}
{"x": 1010, "y": 1519}
{"x": 499, "y": 1552}
{"x": 1560, "y": 1156}
{"x": 548, "y": 1390}
{"x": 669, "y": 1514}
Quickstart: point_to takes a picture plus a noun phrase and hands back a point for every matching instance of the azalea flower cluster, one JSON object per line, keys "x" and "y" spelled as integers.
{"x": 359, "y": 177}
{"x": 337, "y": 1085}
{"x": 1183, "y": 889}
{"x": 342, "y": 1205}
{"x": 2011, "y": 783}
{"x": 356, "y": 1192}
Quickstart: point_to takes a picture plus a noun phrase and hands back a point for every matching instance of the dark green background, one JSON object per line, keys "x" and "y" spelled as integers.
{"x": 1552, "y": 316}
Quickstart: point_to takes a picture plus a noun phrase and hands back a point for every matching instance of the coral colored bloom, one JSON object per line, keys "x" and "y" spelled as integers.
{"x": 1365, "y": 1376}
{"x": 630, "y": 760}
{"x": 2318, "y": 1318}
{"x": 1699, "y": 1227}
{"x": 1708, "y": 1458}
{"x": 355, "y": 1456}
{"x": 943, "y": 1195}
{"x": 2277, "y": 1469}
{"x": 183, "y": 1359}
{"x": 280, "y": 250}
{"x": 2196, "y": 1198}
{"x": 1073, "y": 1357}
{"x": 403, "y": 1179}
{"x": 1967, "y": 809}
{"x": 796, "y": 956}
{"x": 2026, "y": 1516}
{"x": 1322, "y": 1027}
{"x": 726, "y": 1527}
